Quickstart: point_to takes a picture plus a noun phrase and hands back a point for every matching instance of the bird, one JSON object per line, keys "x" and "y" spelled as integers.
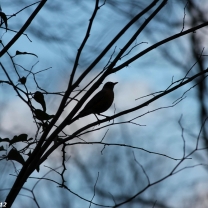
{"x": 101, "y": 102}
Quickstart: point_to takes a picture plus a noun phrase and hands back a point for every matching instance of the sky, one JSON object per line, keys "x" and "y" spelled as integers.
{"x": 56, "y": 34}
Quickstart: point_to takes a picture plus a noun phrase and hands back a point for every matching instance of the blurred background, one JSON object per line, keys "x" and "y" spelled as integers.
{"x": 55, "y": 36}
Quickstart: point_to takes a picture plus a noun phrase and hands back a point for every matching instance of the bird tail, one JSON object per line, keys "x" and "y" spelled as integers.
{"x": 83, "y": 113}
{"x": 80, "y": 115}
{"x": 73, "y": 119}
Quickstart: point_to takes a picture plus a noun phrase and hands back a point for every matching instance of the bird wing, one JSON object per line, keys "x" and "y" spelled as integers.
{"x": 98, "y": 98}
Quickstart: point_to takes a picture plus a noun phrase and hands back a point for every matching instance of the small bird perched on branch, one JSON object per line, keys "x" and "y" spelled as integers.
{"x": 100, "y": 102}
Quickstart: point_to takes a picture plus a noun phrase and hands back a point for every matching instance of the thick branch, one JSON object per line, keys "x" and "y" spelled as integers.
{"x": 193, "y": 29}
{"x": 21, "y": 31}
{"x": 120, "y": 114}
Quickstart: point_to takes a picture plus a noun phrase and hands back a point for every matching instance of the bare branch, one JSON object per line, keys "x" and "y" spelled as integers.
{"x": 94, "y": 190}
{"x": 21, "y": 31}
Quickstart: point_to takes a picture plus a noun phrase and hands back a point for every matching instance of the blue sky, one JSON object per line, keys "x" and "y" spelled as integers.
{"x": 66, "y": 24}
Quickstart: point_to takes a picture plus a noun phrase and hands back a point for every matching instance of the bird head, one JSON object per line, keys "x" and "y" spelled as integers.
{"x": 109, "y": 85}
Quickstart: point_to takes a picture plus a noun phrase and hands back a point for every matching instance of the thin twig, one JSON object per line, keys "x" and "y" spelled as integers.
{"x": 94, "y": 190}
{"x": 21, "y": 31}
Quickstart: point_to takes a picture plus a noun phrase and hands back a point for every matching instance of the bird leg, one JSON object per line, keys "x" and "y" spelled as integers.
{"x": 105, "y": 116}
{"x": 97, "y": 118}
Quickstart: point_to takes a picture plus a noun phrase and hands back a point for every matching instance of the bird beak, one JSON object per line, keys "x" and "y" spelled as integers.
{"x": 115, "y": 83}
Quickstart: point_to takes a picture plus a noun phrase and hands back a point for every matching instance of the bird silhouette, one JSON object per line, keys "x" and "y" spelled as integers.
{"x": 100, "y": 102}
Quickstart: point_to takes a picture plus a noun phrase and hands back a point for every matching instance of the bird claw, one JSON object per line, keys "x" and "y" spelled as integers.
{"x": 108, "y": 117}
